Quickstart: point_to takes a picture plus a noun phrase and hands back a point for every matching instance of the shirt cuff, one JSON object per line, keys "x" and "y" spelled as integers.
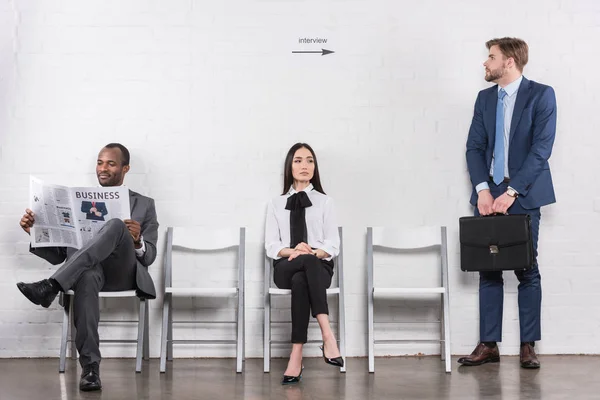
{"x": 510, "y": 187}
{"x": 329, "y": 251}
{"x": 482, "y": 186}
{"x": 275, "y": 255}
{"x": 140, "y": 252}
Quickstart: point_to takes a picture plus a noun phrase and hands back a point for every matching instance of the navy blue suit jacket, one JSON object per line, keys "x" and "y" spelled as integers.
{"x": 532, "y": 133}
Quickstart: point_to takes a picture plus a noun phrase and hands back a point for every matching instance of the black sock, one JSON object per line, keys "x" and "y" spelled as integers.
{"x": 489, "y": 345}
{"x": 55, "y": 285}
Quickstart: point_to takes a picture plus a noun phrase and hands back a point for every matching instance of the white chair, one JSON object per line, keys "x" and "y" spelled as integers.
{"x": 142, "y": 340}
{"x": 409, "y": 239}
{"x": 273, "y": 291}
{"x": 203, "y": 240}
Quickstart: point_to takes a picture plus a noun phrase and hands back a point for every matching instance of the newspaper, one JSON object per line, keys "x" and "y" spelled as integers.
{"x": 72, "y": 216}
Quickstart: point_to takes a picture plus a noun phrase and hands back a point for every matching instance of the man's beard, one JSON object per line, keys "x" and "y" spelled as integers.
{"x": 495, "y": 74}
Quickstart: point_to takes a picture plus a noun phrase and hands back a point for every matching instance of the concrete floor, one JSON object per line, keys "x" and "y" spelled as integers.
{"x": 561, "y": 377}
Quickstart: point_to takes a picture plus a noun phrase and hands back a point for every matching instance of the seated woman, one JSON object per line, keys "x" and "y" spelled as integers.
{"x": 302, "y": 238}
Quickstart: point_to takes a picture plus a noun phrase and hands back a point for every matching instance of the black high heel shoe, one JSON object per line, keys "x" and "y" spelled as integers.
{"x": 290, "y": 380}
{"x": 337, "y": 361}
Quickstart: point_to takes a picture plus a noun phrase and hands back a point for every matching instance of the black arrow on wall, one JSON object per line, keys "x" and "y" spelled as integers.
{"x": 323, "y": 52}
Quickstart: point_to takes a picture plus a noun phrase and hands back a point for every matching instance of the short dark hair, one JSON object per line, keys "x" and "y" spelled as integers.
{"x": 124, "y": 152}
{"x": 288, "y": 178}
{"x": 512, "y": 47}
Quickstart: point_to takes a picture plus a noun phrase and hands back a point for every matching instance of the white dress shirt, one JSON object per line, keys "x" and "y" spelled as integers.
{"x": 509, "y": 101}
{"x": 140, "y": 252}
{"x": 321, "y": 224}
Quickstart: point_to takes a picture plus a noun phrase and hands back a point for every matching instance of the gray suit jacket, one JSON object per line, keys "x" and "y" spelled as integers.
{"x": 142, "y": 211}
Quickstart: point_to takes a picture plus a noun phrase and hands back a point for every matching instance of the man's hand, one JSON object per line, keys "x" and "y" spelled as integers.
{"x": 485, "y": 202}
{"x": 503, "y": 203}
{"x": 27, "y": 220}
{"x": 135, "y": 229}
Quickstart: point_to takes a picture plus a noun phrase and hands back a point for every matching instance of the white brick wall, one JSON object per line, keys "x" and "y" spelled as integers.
{"x": 208, "y": 98}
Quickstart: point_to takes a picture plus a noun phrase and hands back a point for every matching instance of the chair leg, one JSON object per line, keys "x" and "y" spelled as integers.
{"x": 64, "y": 334}
{"x": 240, "y": 333}
{"x": 147, "y": 332}
{"x": 342, "y": 330}
{"x": 442, "y": 337}
{"x": 267, "y": 334}
{"x": 72, "y": 331}
{"x": 140, "y": 336}
{"x": 447, "y": 342}
{"x": 165, "y": 333}
{"x": 170, "y": 330}
{"x": 371, "y": 328}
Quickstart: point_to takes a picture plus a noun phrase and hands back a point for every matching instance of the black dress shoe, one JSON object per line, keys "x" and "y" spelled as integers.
{"x": 90, "y": 378}
{"x": 337, "y": 361}
{"x": 290, "y": 380}
{"x": 40, "y": 293}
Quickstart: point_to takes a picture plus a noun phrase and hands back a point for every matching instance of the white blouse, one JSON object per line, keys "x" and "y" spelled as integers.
{"x": 321, "y": 224}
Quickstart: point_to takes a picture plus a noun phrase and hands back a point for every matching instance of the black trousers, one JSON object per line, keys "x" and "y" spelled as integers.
{"x": 308, "y": 277}
{"x": 108, "y": 263}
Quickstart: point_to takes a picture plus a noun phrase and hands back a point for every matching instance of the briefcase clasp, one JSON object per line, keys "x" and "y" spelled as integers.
{"x": 493, "y": 249}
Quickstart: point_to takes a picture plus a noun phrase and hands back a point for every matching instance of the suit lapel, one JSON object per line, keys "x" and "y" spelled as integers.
{"x": 489, "y": 116}
{"x": 132, "y": 201}
{"x": 522, "y": 100}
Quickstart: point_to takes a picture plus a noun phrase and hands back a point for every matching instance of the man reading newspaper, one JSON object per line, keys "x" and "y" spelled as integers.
{"x": 116, "y": 258}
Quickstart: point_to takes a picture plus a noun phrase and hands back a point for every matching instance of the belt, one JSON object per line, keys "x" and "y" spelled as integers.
{"x": 506, "y": 180}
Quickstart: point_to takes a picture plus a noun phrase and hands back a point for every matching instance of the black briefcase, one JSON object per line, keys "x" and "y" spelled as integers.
{"x": 496, "y": 243}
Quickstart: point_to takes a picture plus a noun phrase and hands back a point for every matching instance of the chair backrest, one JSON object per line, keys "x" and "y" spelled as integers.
{"x": 413, "y": 238}
{"x": 338, "y": 268}
{"x": 204, "y": 239}
{"x": 408, "y": 238}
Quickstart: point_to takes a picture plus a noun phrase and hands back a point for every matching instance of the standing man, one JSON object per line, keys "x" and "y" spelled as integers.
{"x": 116, "y": 259}
{"x": 509, "y": 144}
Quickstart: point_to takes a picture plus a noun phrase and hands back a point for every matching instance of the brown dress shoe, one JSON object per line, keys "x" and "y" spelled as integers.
{"x": 528, "y": 357}
{"x": 481, "y": 355}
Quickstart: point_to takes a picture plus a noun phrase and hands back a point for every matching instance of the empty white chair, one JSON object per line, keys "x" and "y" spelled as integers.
{"x": 142, "y": 340}
{"x": 409, "y": 239}
{"x": 269, "y": 291}
{"x": 203, "y": 240}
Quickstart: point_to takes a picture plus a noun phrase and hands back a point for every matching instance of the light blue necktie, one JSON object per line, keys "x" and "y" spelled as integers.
{"x": 499, "y": 144}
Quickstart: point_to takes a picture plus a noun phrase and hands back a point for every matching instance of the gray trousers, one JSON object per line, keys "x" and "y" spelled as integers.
{"x": 107, "y": 263}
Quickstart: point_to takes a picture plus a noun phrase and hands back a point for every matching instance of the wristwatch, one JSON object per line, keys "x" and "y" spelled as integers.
{"x": 512, "y": 193}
